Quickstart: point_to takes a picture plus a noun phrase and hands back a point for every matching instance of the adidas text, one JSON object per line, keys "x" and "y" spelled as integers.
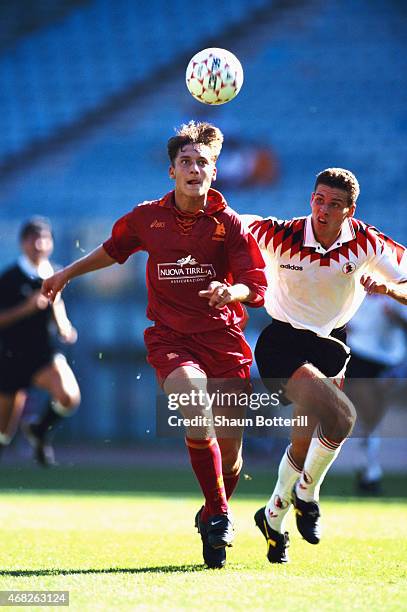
{"x": 291, "y": 267}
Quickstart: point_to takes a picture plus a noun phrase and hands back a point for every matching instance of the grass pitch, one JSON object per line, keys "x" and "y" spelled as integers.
{"x": 137, "y": 549}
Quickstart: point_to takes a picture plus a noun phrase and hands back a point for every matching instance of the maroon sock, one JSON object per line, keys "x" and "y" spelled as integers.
{"x": 206, "y": 462}
{"x": 231, "y": 481}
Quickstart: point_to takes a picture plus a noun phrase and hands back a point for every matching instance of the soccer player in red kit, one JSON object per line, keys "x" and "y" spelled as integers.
{"x": 202, "y": 264}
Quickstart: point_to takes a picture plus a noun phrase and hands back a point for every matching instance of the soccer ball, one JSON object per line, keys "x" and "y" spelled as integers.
{"x": 214, "y": 76}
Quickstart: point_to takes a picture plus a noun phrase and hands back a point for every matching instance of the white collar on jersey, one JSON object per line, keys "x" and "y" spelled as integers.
{"x": 347, "y": 234}
{"x": 44, "y": 270}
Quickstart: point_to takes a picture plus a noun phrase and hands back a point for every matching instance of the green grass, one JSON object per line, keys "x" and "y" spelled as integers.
{"x": 125, "y": 550}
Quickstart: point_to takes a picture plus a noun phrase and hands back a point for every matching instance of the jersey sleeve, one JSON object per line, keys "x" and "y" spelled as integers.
{"x": 246, "y": 262}
{"x": 264, "y": 230}
{"x": 391, "y": 259}
{"x": 126, "y": 236}
{"x": 247, "y": 221}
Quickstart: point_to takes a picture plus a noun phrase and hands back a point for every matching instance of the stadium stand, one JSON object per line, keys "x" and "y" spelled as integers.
{"x": 325, "y": 84}
{"x": 55, "y": 76}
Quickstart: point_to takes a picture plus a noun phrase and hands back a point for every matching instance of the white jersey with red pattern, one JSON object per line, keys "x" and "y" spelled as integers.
{"x": 319, "y": 289}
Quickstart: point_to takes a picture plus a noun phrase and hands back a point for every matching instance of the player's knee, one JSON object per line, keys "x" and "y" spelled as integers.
{"x": 67, "y": 402}
{"x": 186, "y": 388}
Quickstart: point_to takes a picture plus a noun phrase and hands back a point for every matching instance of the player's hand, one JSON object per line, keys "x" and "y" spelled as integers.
{"x": 53, "y": 285}
{"x": 218, "y": 294}
{"x": 372, "y": 286}
{"x": 35, "y": 302}
{"x": 68, "y": 334}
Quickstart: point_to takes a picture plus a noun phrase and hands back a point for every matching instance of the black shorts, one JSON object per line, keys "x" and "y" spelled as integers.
{"x": 17, "y": 371}
{"x": 281, "y": 349}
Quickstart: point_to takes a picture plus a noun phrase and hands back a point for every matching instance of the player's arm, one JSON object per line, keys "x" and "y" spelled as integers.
{"x": 25, "y": 309}
{"x": 397, "y": 291}
{"x": 66, "y": 330}
{"x": 95, "y": 260}
{"x": 220, "y": 294}
{"x": 388, "y": 274}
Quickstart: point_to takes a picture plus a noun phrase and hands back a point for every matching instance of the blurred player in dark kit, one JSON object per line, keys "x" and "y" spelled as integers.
{"x": 28, "y": 356}
{"x": 322, "y": 266}
{"x": 377, "y": 336}
{"x": 201, "y": 266}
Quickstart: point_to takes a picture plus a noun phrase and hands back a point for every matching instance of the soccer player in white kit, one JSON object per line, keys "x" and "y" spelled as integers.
{"x": 321, "y": 268}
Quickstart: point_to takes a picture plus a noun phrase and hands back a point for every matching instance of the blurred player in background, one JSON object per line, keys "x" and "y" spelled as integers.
{"x": 322, "y": 266}
{"x": 201, "y": 266}
{"x": 28, "y": 356}
{"x": 377, "y": 339}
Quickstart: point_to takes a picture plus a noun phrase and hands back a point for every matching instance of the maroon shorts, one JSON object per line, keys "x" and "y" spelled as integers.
{"x": 221, "y": 353}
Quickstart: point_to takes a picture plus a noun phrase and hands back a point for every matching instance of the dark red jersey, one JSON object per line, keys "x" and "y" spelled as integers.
{"x": 186, "y": 253}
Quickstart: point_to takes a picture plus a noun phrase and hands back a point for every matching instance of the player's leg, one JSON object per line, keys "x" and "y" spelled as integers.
{"x": 230, "y": 436}
{"x": 371, "y": 406}
{"x": 289, "y": 470}
{"x": 283, "y": 355}
{"x": 59, "y": 381}
{"x": 212, "y": 520}
{"x": 11, "y": 409}
{"x": 369, "y": 394}
{"x": 232, "y": 462}
{"x": 276, "y": 360}
{"x": 201, "y": 441}
{"x": 324, "y": 402}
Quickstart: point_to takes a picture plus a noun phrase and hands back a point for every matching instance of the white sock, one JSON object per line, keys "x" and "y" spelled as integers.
{"x": 5, "y": 439}
{"x": 61, "y": 410}
{"x": 373, "y": 469}
{"x": 280, "y": 501}
{"x": 321, "y": 454}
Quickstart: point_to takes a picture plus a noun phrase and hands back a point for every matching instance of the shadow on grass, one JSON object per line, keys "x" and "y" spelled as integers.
{"x": 164, "y": 569}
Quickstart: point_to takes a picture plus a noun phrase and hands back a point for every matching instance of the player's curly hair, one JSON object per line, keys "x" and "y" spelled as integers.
{"x": 341, "y": 179}
{"x": 196, "y": 133}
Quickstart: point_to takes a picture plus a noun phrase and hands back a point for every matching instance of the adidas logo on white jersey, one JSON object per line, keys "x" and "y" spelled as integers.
{"x": 291, "y": 267}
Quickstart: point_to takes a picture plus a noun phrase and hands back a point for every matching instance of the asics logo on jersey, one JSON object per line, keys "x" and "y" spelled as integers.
{"x": 157, "y": 224}
{"x": 291, "y": 267}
